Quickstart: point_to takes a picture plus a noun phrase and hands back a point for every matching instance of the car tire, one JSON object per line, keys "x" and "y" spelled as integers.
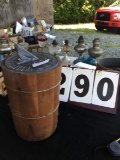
{"x": 117, "y": 30}
{"x": 99, "y": 28}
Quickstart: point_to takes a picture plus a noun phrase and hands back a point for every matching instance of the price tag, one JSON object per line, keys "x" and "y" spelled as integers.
{"x": 105, "y": 89}
{"x": 82, "y": 85}
{"x": 27, "y": 31}
{"x": 65, "y": 83}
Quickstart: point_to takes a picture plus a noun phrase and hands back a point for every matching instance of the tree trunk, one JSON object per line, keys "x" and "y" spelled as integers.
{"x": 43, "y": 9}
{"x": 13, "y": 10}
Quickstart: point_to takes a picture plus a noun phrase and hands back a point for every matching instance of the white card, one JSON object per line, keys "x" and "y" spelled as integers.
{"x": 105, "y": 89}
{"x": 24, "y": 21}
{"x": 43, "y": 23}
{"x": 50, "y": 36}
{"x": 27, "y": 31}
{"x": 82, "y": 85}
{"x": 40, "y": 63}
{"x": 18, "y": 27}
{"x": 65, "y": 83}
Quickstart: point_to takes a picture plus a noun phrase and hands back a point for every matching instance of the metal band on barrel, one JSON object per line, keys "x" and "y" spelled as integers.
{"x": 17, "y": 115}
{"x": 35, "y": 91}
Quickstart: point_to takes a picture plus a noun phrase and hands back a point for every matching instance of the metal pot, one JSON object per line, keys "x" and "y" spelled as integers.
{"x": 4, "y": 46}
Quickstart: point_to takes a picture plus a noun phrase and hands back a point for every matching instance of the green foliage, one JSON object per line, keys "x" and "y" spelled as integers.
{"x": 77, "y": 11}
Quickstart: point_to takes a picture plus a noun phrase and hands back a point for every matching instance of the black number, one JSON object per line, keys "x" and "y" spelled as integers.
{"x": 27, "y": 32}
{"x": 100, "y": 88}
{"x": 84, "y": 86}
{"x": 63, "y": 81}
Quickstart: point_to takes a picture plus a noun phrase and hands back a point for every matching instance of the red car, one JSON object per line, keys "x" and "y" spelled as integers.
{"x": 108, "y": 17}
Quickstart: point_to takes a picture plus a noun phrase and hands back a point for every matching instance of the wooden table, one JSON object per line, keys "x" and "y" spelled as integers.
{"x": 31, "y": 46}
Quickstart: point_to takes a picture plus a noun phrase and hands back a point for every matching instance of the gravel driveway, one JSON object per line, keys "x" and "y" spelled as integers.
{"x": 107, "y": 39}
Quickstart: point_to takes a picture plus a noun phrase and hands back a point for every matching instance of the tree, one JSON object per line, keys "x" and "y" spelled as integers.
{"x": 76, "y": 11}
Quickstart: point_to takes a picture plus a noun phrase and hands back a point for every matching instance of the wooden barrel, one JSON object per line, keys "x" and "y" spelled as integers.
{"x": 33, "y": 96}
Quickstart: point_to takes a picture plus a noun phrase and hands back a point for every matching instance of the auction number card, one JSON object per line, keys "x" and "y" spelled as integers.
{"x": 97, "y": 90}
{"x": 65, "y": 83}
{"x": 105, "y": 89}
{"x": 82, "y": 85}
{"x": 27, "y": 31}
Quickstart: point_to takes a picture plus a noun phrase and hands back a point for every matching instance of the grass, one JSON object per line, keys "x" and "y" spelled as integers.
{"x": 112, "y": 45}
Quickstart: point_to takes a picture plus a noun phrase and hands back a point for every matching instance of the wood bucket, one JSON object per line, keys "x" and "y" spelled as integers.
{"x": 33, "y": 98}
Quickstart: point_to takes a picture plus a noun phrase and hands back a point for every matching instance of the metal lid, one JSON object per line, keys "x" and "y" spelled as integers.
{"x": 11, "y": 63}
